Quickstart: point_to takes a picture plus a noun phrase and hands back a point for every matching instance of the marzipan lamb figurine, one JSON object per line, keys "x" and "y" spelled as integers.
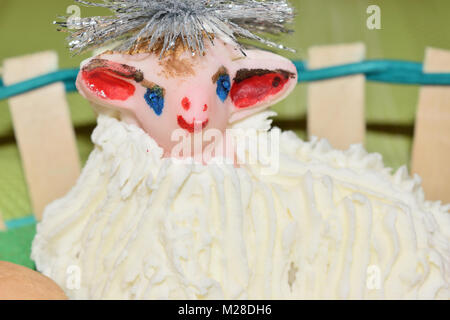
{"x": 140, "y": 224}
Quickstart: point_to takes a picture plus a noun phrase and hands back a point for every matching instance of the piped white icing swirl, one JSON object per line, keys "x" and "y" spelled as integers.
{"x": 331, "y": 224}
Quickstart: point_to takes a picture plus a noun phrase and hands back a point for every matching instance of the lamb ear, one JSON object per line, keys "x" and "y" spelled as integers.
{"x": 109, "y": 80}
{"x": 261, "y": 79}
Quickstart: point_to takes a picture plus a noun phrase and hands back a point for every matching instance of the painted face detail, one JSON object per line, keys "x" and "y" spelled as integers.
{"x": 254, "y": 86}
{"x": 155, "y": 99}
{"x": 106, "y": 79}
{"x": 191, "y": 127}
{"x": 107, "y": 86}
{"x": 222, "y": 79}
{"x": 223, "y": 87}
{"x": 185, "y": 103}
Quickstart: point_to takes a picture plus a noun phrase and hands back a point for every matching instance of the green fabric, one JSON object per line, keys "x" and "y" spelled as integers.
{"x": 15, "y": 245}
{"x": 408, "y": 27}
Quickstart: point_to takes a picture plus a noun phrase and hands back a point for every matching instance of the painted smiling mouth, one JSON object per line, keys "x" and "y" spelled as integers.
{"x": 192, "y": 127}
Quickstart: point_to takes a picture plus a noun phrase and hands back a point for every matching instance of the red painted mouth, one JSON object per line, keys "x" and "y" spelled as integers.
{"x": 191, "y": 126}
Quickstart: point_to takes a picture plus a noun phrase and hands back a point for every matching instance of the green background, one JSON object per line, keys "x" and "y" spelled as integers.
{"x": 408, "y": 27}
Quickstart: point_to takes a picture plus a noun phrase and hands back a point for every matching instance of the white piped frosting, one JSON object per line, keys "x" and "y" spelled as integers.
{"x": 331, "y": 224}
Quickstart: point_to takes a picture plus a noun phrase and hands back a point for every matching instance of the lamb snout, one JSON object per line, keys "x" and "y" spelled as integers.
{"x": 193, "y": 117}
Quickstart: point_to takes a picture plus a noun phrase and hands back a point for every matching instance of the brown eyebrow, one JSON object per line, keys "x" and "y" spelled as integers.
{"x": 128, "y": 72}
{"x": 244, "y": 74}
{"x": 222, "y": 70}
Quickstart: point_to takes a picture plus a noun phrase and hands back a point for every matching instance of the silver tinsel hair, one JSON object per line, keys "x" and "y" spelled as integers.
{"x": 164, "y": 22}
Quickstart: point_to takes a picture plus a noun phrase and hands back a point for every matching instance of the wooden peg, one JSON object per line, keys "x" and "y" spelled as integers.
{"x": 2, "y": 223}
{"x": 43, "y": 130}
{"x": 431, "y": 148}
{"x": 336, "y": 107}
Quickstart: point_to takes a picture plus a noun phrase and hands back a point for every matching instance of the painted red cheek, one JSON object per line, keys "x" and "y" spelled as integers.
{"x": 106, "y": 86}
{"x": 205, "y": 108}
{"x": 186, "y": 104}
{"x": 256, "y": 89}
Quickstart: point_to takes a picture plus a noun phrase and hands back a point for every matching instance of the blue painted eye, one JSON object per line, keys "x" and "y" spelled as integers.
{"x": 223, "y": 87}
{"x": 155, "y": 99}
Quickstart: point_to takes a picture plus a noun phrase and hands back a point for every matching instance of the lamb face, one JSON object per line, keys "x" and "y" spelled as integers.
{"x": 186, "y": 92}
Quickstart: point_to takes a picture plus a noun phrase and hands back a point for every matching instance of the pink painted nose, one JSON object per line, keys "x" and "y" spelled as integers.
{"x": 186, "y": 103}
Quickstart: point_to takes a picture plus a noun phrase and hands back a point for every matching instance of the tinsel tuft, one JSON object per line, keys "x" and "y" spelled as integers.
{"x": 164, "y": 23}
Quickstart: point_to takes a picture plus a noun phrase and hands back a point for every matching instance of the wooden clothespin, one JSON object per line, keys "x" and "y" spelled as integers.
{"x": 431, "y": 149}
{"x": 2, "y": 223}
{"x": 336, "y": 107}
{"x": 43, "y": 131}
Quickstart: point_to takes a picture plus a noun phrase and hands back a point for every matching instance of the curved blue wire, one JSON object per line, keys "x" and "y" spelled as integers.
{"x": 388, "y": 71}
{"x": 68, "y": 76}
{"x": 391, "y": 71}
